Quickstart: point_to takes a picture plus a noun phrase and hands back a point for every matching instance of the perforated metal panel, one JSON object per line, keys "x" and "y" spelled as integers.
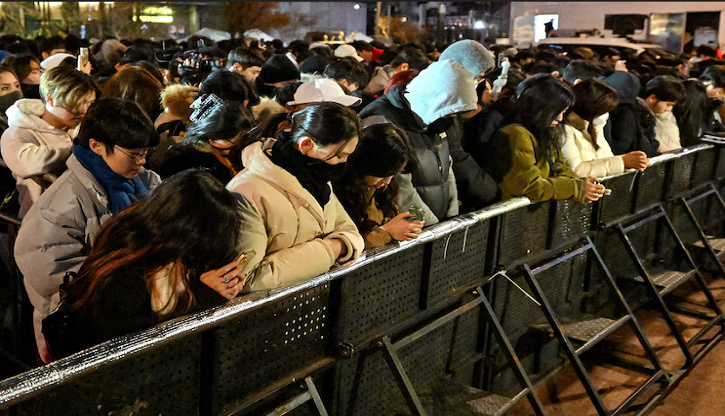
{"x": 163, "y": 381}
{"x": 651, "y": 185}
{"x": 516, "y": 312}
{"x": 682, "y": 172}
{"x": 523, "y": 232}
{"x": 720, "y": 170}
{"x": 366, "y": 383}
{"x": 704, "y": 168}
{"x": 380, "y": 295}
{"x": 619, "y": 203}
{"x": 571, "y": 222}
{"x": 457, "y": 260}
{"x": 268, "y": 344}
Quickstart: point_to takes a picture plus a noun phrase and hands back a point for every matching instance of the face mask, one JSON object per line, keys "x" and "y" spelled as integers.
{"x": 6, "y": 101}
{"x": 31, "y": 90}
{"x": 317, "y": 168}
{"x": 441, "y": 125}
{"x": 601, "y": 120}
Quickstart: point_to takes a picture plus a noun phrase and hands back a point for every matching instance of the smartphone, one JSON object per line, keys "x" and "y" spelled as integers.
{"x": 419, "y": 214}
{"x": 83, "y": 57}
{"x": 244, "y": 259}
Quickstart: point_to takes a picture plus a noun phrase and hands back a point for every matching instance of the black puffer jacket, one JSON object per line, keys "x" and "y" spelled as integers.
{"x": 631, "y": 125}
{"x": 431, "y": 163}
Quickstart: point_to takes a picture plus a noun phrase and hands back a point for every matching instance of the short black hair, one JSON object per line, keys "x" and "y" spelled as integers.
{"x": 581, "y": 69}
{"x": 117, "y": 122}
{"x": 705, "y": 50}
{"x": 227, "y": 85}
{"x": 53, "y": 42}
{"x": 298, "y": 46}
{"x": 713, "y": 73}
{"x": 414, "y": 57}
{"x": 135, "y": 54}
{"x": 349, "y": 70}
{"x": 243, "y": 57}
{"x": 20, "y": 64}
{"x": 665, "y": 88}
{"x": 361, "y": 45}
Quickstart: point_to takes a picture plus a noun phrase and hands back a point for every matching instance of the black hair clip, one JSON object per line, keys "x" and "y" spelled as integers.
{"x": 204, "y": 105}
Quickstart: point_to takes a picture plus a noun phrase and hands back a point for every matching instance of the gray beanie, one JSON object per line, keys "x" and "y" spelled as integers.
{"x": 471, "y": 55}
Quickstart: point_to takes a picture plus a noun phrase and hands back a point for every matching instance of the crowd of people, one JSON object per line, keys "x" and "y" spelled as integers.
{"x": 154, "y": 179}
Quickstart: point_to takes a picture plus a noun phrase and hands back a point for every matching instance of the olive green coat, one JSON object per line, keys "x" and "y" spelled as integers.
{"x": 517, "y": 170}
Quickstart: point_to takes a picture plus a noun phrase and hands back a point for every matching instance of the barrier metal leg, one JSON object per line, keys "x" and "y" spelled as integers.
{"x": 655, "y": 294}
{"x": 566, "y": 344}
{"x": 510, "y": 354}
{"x": 295, "y": 402}
{"x": 411, "y": 396}
{"x": 700, "y": 229}
{"x": 649, "y": 350}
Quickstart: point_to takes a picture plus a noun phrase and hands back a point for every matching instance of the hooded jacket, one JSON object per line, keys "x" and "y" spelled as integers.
{"x": 579, "y": 152}
{"x": 33, "y": 148}
{"x": 57, "y": 233}
{"x": 176, "y": 100}
{"x": 379, "y": 79}
{"x": 631, "y": 124}
{"x": 285, "y": 225}
{"x": 443, "y": 89}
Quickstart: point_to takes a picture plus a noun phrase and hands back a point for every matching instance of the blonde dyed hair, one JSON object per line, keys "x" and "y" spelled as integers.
{"x": 67, "y": 87}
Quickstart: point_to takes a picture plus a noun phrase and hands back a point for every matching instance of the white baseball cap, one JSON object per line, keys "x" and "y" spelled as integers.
{"x": 323, "y": 89}
{"x": 53, "y": 61}
{"x": 344, "y": 51}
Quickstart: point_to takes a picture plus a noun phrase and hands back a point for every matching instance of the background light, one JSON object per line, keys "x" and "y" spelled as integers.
{"x": 356, "y": 7}
{"x": 478, "y": 25}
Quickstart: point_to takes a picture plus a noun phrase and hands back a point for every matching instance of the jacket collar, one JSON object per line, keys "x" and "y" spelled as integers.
{"x": 396, "y": 97}
{"x": 573, "y": 119}
{"x": 257, "y": 163}
{"x": 91, "y": 184}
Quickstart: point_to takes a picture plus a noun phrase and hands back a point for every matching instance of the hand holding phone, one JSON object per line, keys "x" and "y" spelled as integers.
{"x": 84, "y": 62}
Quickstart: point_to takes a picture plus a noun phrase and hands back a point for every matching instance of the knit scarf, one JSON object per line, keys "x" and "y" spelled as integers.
{"x": 122, "y": 192}
{"x": 313, "y": 174}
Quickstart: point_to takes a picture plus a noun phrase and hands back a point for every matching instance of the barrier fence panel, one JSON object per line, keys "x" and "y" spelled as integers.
{"x": 252, "y": 355}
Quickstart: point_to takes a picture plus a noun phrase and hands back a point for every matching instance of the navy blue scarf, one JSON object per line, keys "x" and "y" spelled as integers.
{"x": 122, "y": 192}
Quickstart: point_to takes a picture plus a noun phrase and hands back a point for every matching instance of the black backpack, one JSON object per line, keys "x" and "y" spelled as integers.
{"x": 64, "y": 330}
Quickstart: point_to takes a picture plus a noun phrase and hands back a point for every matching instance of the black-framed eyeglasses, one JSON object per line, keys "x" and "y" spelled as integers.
{"x": 134, "y": 158}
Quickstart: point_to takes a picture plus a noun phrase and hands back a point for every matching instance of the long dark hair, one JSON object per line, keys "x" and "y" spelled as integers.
{"x": 326, "y": 123}
{"x": 539, "y": 100}
{"x": 593, "y": 98}
{"x": 383, "y": 150}
{"x": 692, "y": 112}
{"x": 190, "y": 218}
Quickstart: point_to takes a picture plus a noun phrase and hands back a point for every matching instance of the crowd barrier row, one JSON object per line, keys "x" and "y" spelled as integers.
{"x": 357, "y": 340}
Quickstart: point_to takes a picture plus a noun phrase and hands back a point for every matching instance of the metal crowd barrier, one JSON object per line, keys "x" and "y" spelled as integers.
{"x": 315, "y": 348}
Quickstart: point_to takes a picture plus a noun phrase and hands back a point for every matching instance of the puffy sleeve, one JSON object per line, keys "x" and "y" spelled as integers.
{"x": 525, "y": 178}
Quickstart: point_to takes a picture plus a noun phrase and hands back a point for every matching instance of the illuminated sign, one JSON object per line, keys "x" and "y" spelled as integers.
{"x": 156, "y": 14}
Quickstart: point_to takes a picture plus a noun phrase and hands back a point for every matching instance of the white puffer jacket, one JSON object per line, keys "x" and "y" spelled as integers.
{"x": 33, "y": 148}
{"x": 579, "y": 153}
{"x": 667, "y": 132}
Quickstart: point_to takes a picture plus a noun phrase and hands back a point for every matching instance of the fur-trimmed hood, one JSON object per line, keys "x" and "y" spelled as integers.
{"x": 176, "y": 100}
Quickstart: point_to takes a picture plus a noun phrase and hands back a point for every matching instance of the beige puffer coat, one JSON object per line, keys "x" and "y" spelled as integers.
{"x": 32, "y": 149}
{"x": 285, "y": 225}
